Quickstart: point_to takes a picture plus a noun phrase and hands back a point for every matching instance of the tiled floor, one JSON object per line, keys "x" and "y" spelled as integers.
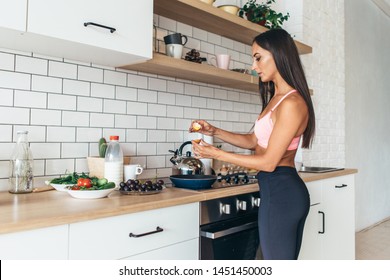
{"x": 374, "y": 243}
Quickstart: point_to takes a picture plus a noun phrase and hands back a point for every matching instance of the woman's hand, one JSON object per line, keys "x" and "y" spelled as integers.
{"x": 203, "y": 127}
{"x": 201, "y": 149}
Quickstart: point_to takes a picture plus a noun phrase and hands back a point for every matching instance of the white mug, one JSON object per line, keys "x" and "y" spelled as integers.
{"x": 175, "y": 50}
{"x": 222, "y": 61}
{"x": 131, "y": 171}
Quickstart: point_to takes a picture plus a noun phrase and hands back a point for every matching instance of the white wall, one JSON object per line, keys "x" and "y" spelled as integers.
{"x": 367, "y": 43}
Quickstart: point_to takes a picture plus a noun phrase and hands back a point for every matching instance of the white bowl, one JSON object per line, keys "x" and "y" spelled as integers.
{"x": 90, "y": 194}
{"x": 59, "y": 187}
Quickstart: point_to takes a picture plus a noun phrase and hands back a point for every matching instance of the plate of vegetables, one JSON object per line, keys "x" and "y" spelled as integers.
{"x": 83, "y": 186}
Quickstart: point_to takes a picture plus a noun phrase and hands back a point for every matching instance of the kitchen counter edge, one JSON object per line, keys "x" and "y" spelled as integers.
{"x": 52, "y": 208}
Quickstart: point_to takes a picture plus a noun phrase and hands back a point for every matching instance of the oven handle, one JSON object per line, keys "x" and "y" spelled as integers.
{"x": 222, "y": 233}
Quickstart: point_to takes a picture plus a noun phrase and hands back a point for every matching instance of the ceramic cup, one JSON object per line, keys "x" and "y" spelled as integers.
{"x": 175, "y": 50}
{"x": 131, "y": 171}
{"x": 175, "y": 38}
{"x": 221, "y": 61}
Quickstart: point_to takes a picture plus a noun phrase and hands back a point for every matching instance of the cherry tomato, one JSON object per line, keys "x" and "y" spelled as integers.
{"x": 84, "y": 182}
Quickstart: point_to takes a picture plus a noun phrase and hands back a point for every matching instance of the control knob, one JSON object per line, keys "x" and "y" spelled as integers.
{"x": 256, "y": 201}
{"x": 241, "y": 205}
{"x": 225, "y": 208}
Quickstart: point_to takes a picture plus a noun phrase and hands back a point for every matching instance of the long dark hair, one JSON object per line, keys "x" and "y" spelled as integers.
{"x": 285, "y": 53}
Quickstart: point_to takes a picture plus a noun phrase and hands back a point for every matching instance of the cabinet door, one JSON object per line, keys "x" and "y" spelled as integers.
{"x": 132, "y": 21}
{"x": 311, "y": 248}
{"x": 13, "y": 14}
{"x": 109, "y": 238}
{"x": 41, "y": 244}
{"x": 339, "y": 206}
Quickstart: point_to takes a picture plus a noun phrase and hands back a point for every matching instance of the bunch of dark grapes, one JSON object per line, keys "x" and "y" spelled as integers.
{"x": 194, "y": 56}
{"x": 137, "y": 186}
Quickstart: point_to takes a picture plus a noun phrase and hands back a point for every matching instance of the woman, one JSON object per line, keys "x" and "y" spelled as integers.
{"x": 287, "y": 115}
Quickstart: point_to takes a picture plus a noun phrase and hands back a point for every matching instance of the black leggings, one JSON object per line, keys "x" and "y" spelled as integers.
{"x": 283, "y": 210}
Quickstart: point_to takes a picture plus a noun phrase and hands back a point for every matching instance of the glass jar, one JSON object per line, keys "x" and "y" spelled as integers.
{"x": 21, "y": 166}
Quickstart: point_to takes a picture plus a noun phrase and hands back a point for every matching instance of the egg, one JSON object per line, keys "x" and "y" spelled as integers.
{"x": 196, "y": 126}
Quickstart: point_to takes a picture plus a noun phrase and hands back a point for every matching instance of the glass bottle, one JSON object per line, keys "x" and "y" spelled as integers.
{"x": 21, "y": 166}
{"x": 113, "y": 162}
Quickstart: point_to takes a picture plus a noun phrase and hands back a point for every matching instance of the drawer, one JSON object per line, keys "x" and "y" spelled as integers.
{"x": 49, "y": 243}
{"x": 187, "y": 250}
{"x": 108, "y": 238}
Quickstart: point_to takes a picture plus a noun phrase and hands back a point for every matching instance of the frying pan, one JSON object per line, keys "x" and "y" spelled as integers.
{"x": 193, "y": 182}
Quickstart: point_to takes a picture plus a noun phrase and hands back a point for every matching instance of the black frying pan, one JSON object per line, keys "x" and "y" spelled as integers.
{"x": 193, "y": 182}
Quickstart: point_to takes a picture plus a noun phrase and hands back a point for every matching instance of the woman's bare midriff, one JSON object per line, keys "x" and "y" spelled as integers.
{"x": 286, "y": 160}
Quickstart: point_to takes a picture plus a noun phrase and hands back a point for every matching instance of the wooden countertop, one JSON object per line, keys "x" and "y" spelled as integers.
{"x": 36, "y": 210}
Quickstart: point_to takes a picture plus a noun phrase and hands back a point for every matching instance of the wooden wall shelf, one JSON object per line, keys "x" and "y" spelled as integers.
{"x": 182, "y": 69}
{"x": 212, "y": 19}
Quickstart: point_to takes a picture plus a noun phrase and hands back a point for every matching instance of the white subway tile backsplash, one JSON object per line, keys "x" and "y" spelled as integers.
{"x": 63, "y": 70}
{"x": 4, "y": 165}
{"x": 76, "y": 87}
{"x": 61, "y": 102}
{"x": 68, "y": 105}
{"x": 101, "y": 120}
{"x": 166, "y": 123}
{"x": 125, "y": 121}
{"x": 86, "y": 134}
{"x": 155, "y": 161}
{"x": 6, "y": 97}
{"x": 147, "y": 96}
{"x": 157, "y": 110}
{"x": 5, "y": 133}
{"x": 115, "y": 78}
{"x": 75, "y": 118}
{"x": 137, "y": 81}
{"x": 125, "y": 93}
{"x": 11, "y": 115}
{"x": 32, "y": 65}
{"x": 137, "y": 108}
{"x": 166, "y": 98}
{"x": 157, "y": 136}
{"x": 59, "y": 166}
{"x": 90, "y": 74}
{"x": 183, "y": 100}
{"x": 89, "y": 104}
{"x": 46, "y": 150}
{"x": 47, "y": 84}
{"x": 146, "y": 122}
{"x": 102, "y": 90}
{"x": 114, "y": 106}
{"x": 61, "y": 134}
{"x": 15, "y": 80}
{"x": 175, "y": 87}
{"x": 6, "y": 150}
{"x": 74, "y": 150}
{"x": 7, "y": 61}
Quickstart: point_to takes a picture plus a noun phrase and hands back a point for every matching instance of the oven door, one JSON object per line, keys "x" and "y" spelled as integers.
{"x": 233, "y": 239}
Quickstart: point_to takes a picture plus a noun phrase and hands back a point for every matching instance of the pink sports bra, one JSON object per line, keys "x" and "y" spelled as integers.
{"x": 264, "y": 127}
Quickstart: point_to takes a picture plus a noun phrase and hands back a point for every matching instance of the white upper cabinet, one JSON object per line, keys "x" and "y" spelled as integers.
{"x": 111, "y": 33}
{"x": 13, "y": 14}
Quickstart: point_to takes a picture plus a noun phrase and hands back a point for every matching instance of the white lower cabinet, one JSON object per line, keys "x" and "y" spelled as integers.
{"x": 148, "y": 234}
{"x": 329, "y": 232}
{"x": 49, "y": 243}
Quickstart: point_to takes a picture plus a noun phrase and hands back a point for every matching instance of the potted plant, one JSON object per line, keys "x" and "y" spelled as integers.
{"x": 263, "y": 14}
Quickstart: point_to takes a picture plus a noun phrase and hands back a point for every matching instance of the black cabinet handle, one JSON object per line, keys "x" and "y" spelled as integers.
{"x": 342, "y": 186}
{"x": 323, "y": 222}
{"x": 158, "y": 229}
{"x": 112, "y": 29}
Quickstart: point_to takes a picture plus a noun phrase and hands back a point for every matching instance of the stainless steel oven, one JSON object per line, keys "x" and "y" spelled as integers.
{"x": 229, "y": 227}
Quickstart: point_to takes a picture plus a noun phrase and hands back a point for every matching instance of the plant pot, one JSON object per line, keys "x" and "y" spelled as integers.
{"x": 249, "y": 16}
{"x": 96, "y": 165}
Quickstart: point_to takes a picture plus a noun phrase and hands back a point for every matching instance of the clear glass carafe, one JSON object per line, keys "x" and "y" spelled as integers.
{"x": 21, "y": 166}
